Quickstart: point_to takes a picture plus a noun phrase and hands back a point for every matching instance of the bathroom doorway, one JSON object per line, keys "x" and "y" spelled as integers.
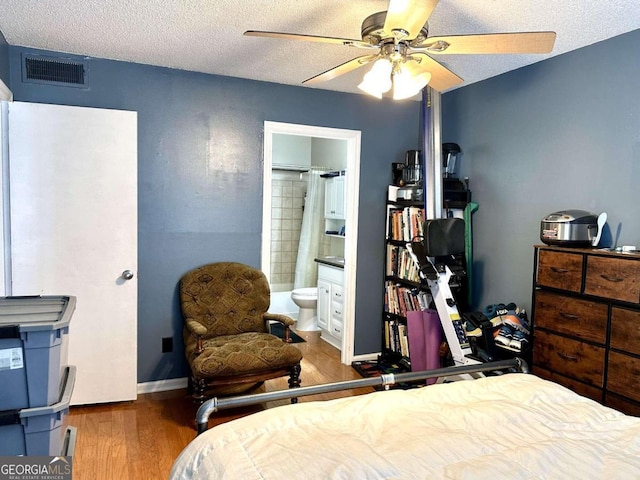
{"x": 300, "y": 137}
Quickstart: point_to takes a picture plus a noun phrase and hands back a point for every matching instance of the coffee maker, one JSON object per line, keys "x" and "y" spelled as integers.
{"x": 412, "y": 175}
{"x": 456, "y": 194}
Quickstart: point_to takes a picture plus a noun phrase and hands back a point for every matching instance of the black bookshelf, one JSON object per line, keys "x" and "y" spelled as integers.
{"x": 402, "y": 288}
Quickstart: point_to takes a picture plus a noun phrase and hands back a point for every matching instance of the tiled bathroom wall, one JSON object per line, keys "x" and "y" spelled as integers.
{"x": 287, "y": 200}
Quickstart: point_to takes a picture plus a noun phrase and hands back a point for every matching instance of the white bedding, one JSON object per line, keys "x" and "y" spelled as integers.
{"x": 514, "y": 426}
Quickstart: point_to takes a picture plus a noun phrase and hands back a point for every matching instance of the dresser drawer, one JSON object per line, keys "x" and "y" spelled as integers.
{"x": 336, "y": 326}
{"x": 336, "y": 294}
{"x": 624, "y": 375}
{"x": 568, "y": 357}
{"x": 579, "y": 318}
{"x": 336, "y": 310}
{"x": 560, "y": 270}
{"x": 613, "y": 278}
{"x": 625, "y": 330}
{"x": 580, "y": 388}
{"x": 622, "y": 404}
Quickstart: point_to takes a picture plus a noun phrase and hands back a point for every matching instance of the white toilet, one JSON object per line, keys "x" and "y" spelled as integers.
{"x": 307, "y": 300}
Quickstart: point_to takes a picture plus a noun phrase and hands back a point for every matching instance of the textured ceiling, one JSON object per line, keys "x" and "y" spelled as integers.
{"x": 206, "y": 36}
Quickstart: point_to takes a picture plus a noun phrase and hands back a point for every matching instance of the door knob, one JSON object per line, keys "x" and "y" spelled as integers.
{"x": 127, "y": 274}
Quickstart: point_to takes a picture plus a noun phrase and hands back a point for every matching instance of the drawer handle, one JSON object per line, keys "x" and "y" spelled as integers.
{"x": 569, "y": 316}
{"x": 559, "y": 270}
{"x": 612, "y": 279}
{"x": 567, "y": 357}
{"x": 338, "y": 294}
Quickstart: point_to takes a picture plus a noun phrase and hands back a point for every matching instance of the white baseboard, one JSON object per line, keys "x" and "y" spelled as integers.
{"x": 162, "y": 385}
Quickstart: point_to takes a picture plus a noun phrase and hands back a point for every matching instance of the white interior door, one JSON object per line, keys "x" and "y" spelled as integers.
{"x": 73, "y": 220}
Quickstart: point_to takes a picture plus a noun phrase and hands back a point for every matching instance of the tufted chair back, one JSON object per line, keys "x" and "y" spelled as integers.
{"x": 224, "y": 298}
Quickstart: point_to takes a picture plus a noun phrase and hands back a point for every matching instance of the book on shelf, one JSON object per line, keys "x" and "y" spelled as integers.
{"x": 387, "y": 338}
{"x": 402, "y": 299}
{"x": 391, "y": 335}
{"x": 404, "y": 343}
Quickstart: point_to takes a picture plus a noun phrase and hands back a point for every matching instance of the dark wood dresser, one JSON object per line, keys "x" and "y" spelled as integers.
{"x": 586, "y": 323}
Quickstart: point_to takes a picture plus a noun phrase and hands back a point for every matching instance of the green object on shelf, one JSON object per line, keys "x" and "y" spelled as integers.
{"x": 468, "y": 246}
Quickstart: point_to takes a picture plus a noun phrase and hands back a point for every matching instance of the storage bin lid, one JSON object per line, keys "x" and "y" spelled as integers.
{"x": 35, "y": 313}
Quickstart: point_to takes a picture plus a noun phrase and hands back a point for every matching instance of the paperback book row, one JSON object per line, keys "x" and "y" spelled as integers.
{"x": 396, "y": 337}
{"x": 398, "y": 299}
{"x": 400, "y": 263}
{"x": 406, "y": 224}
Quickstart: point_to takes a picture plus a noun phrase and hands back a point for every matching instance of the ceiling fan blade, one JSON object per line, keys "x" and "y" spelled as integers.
{"x": 441, "y": 77}
{"x": 524, "y": 42}
{"x": 408, "y": 16}
{"x": 341, "y": 69}
{"x": 310, "y": 38}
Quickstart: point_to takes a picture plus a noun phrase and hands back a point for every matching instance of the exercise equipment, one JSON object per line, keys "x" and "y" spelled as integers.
{"x": 435, "y": 254}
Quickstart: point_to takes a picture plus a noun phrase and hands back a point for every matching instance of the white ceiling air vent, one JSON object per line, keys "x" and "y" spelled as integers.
{"x": 53, "y": 71}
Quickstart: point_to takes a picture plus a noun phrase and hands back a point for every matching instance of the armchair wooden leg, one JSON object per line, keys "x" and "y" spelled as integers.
{"x": 287, "y": 334}
{"x": 294, "y": 379}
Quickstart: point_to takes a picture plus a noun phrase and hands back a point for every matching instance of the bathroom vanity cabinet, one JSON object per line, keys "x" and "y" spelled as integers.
{"x": 331, "y": 303}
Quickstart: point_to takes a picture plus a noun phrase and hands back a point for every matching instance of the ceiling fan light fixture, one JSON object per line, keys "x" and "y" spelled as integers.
{"x": 407, "y": 84}
{"x": 377, "y": 80}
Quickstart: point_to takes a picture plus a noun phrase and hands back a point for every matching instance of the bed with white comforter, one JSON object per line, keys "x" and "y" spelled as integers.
{"x": 514, "y": 426}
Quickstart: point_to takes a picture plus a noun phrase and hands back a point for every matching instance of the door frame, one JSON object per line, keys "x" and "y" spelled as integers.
{"x": 353, "y": 138}
{"x": 5, "y": 256}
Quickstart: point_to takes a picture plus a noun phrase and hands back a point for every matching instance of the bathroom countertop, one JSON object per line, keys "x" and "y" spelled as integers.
{"x": 332, "y": 261}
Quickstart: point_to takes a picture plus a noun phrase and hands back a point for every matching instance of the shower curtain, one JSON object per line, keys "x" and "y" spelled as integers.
{"x": 306, "y": 274}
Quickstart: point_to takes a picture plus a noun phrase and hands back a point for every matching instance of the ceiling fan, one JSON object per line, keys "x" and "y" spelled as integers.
{"x": 401, "y": 49}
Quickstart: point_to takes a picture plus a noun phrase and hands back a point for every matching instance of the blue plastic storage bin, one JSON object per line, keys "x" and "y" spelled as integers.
{"x": 40, "y": 430}
{"x": 32, "y": 357}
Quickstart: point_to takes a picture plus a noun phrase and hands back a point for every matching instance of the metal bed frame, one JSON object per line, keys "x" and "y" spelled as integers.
{"x": 216, "y": 404}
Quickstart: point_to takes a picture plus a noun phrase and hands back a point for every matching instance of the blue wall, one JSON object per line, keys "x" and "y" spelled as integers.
{"x": 559, "y": 134}
{"x": 200, "y": 178}
{"x": 4, "y": 60}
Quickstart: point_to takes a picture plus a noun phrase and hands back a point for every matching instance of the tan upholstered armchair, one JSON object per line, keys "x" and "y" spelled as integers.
{"x": 226, "y": 331}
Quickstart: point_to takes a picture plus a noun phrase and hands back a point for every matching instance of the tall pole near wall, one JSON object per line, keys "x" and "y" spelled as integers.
{"x": 432, "y": 152}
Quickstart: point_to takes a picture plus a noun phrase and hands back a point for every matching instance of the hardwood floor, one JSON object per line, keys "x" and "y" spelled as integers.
{"x": 139, "y": 440}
